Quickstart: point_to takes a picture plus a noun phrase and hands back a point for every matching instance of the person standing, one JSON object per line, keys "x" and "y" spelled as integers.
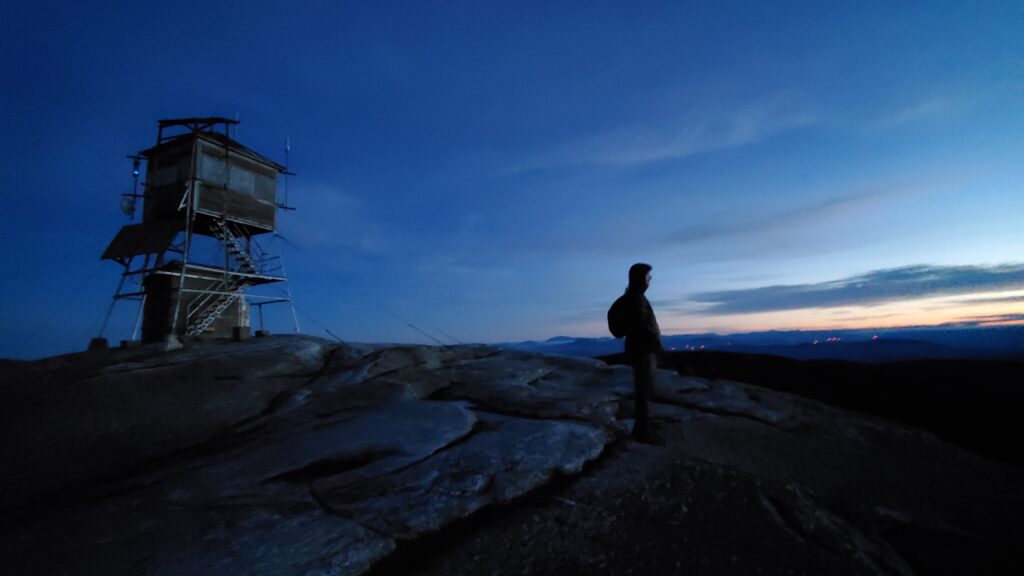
{"x": 632, "y": 316}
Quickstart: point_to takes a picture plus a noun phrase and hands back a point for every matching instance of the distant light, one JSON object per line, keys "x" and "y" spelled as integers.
{"x": 875, "y": 337}
{"x": 135, "y": 172}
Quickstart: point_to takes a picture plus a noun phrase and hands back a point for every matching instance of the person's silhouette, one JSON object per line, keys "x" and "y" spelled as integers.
{"x": 643, "y": 342}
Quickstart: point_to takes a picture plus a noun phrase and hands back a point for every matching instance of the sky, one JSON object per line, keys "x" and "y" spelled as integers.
{"x": 488, "y": 171}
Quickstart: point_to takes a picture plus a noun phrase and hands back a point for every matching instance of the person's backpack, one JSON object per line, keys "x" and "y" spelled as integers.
{"x": 618, "y": 317}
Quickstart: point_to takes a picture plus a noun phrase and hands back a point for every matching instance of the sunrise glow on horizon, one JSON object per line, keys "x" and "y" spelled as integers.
{"x": 916, "y": 313}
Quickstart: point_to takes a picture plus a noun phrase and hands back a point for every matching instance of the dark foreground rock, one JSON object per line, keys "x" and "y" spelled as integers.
{"x": 294, "y": 455}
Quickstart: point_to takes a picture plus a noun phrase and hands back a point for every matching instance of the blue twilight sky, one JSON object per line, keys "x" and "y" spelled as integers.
{"x": 489, "y": 170}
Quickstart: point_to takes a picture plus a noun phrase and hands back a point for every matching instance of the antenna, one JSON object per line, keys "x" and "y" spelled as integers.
{"x": 128, "y": 200}
{"x": 286, "y": 173}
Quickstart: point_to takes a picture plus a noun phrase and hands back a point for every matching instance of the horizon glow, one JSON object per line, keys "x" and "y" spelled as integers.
{"x": 917, "y": 313}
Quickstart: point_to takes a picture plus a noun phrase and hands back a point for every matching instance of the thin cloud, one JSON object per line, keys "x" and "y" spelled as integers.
{"x": 334, "y": 220}
{"x": 991, "y": 319}
{"x": 992, "y": 299}
{"x": 974, "y": 300}
{"x": 875, "y": 287}
{"x": 724, "y": 227}
{"x": 924, "y": 109}
{"x": 694, "y": 134}
{"x": 847, "y": 318}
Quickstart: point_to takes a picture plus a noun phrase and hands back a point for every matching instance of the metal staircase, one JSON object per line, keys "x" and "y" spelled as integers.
{"x": 239, "y": 251}
{"x": 205, "y": 311}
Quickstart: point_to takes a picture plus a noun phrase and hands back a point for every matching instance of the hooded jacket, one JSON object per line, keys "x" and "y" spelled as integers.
{"x": 643, "y": 335}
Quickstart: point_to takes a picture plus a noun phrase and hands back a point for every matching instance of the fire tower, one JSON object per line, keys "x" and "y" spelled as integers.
{"x": 207, "y": 200}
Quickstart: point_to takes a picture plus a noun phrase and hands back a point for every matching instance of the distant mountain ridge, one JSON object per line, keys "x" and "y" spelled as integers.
{"x": 870, "y": 345}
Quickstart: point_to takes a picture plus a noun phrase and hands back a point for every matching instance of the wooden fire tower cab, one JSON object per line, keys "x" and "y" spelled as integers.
{"x": 207, "y": 200}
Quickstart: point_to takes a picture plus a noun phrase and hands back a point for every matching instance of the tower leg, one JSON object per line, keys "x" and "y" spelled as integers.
{"x": 138, "y": 318}
{"x": 110, "y": 309}
{"x": 287, "y": 287}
